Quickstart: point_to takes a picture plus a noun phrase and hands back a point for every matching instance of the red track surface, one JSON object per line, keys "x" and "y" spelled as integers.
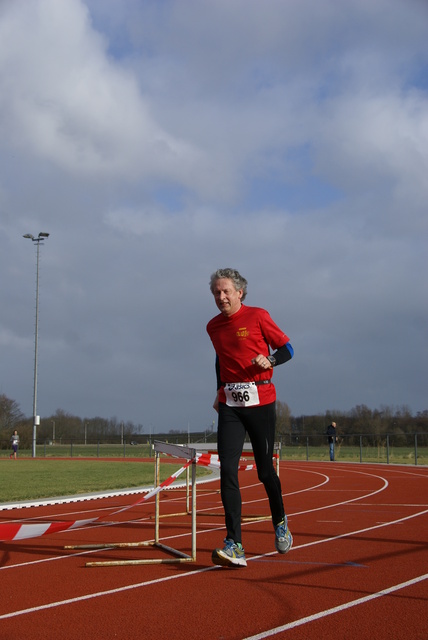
{"x": 358, "y": 568}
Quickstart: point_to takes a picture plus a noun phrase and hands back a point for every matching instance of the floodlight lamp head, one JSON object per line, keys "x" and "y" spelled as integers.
{"x": 43, "y": 235}
{"x": 28, "y": 235}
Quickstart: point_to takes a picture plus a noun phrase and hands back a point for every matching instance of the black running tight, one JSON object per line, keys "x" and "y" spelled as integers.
{"x": 233, "y": 425}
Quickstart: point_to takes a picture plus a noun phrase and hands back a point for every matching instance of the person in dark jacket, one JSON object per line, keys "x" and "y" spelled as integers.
{"x": 332, "y": 438}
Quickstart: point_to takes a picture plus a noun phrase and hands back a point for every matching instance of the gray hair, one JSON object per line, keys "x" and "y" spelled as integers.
{"x": 239, "y": 281}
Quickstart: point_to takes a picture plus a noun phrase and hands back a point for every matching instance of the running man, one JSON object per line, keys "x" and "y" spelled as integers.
{"x": 243, "y": 338}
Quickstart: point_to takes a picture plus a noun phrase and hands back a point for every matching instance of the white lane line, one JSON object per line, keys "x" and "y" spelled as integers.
{"x": 99, "y": 594}
{"x": 188, "y": 574}
{"x": 347, "y": 535}
{"x": 219, "y": 528}
{"x": 357, "y": 499}
{"x": 338, "y": 609}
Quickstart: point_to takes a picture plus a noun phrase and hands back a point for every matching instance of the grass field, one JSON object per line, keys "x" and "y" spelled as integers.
{"x": 28, "y": 479}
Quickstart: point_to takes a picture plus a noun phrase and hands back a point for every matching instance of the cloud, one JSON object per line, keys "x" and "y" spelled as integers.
{"x": 71, "y": 104}
{"x": 156, "y": 142}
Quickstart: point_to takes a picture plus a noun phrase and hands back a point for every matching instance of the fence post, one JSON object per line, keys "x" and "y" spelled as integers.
{"x": 307, "y": 448}
{"x": 387, "y": 448}
{"x": 71, "y": 448}
{"x": 416, "y": 448}
{"x": 361, "y": 448}
{"x": 98, "y": 448}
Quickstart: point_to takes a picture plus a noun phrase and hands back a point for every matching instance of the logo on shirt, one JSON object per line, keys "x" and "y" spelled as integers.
{"x": 242, "y": 333}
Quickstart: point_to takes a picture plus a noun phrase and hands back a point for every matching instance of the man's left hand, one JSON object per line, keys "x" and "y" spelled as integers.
{"x": 262, "y": 362}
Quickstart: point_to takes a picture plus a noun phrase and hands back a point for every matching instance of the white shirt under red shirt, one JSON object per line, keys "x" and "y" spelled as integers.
{"x": 239, "y": 338}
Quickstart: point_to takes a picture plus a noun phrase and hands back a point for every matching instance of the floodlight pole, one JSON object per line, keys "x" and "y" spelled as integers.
{"x": 36, "y": 418}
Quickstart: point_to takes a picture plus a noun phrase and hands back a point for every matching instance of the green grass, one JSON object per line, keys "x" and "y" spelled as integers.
{"x": 27, "y": 479}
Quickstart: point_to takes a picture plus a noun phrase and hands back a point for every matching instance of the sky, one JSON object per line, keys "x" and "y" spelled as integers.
{"x": 159, "y": 140}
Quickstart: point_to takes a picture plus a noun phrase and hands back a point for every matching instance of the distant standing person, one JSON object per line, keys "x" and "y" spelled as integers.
{"x": 332, "y": 438}
{"x": 14, "y": 438}
{"x": 243, "y": 338}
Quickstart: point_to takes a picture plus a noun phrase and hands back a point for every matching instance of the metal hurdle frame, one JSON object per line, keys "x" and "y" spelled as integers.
{"x": 178, "y": 451}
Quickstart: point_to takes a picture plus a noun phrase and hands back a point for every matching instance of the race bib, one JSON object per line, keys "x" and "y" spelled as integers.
{"x": 241, "y": 394}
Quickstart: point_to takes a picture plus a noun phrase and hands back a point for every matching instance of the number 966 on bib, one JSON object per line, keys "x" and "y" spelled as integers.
{"x": 241, "y": 394}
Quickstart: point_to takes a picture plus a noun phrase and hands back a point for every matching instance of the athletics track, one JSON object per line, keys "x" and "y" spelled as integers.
{"x": 358, "y": 568}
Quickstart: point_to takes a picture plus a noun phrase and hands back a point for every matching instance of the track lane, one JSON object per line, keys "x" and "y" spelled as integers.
{"x": 270, "y": 580}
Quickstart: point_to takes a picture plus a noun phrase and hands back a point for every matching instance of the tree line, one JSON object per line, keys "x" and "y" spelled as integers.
{"x": 398, "y": 422}
{"x": 61, "y": 427}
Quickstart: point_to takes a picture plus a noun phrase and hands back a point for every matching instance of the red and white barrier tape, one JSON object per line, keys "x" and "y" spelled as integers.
{"x": 212, "y": 460}
{"x": 20, "y": 531}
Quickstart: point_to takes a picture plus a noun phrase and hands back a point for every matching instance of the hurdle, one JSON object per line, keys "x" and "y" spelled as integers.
{"x": 247, "y": 451}
{"x": 177, "y": 451}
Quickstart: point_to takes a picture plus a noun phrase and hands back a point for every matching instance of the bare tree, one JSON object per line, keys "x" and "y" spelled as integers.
{"x": 283, "y": 418}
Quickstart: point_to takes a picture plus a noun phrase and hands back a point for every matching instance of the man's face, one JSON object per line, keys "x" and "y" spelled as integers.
{"x": 227, "y": 298}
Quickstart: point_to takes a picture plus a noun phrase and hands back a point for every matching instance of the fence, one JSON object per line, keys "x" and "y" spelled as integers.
{"x": 409, "y": 449}
{"x": 398, "y": 449}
